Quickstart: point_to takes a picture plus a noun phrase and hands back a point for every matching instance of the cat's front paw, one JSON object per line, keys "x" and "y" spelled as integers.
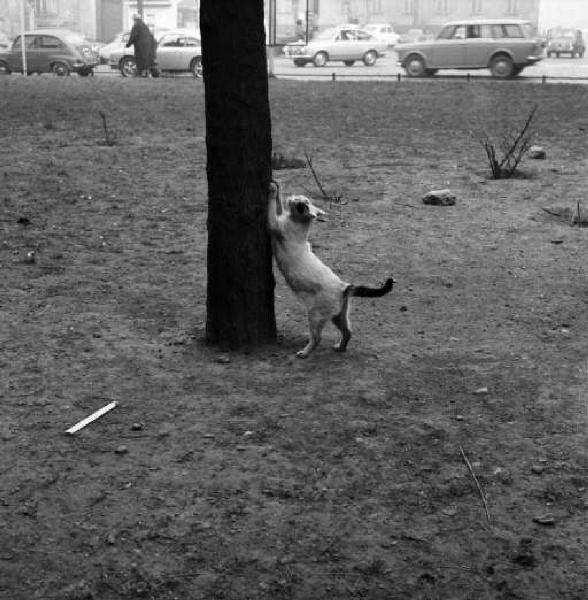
{"x": 339, "y": 348}
{"x": 302, "y": 354}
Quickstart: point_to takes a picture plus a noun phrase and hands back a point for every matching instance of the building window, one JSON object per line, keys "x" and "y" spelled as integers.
{"x": 513, "y": 8}
{"x": 408, "y": 8}
{"x": 477, "y": 8}
{"x": 441, "y": 7}
{"x": 46, "y": 7}
{"x": 377, "y": 6}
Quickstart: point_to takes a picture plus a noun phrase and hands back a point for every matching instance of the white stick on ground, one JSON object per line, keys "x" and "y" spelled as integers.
{"x": 92, "y": 417}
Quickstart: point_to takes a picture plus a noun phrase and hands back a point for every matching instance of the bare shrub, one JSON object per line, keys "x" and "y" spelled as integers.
{"x": 506, "y": 150}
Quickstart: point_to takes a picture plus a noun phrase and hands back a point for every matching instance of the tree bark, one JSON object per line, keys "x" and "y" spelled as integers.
{"x": 240, "y": 284}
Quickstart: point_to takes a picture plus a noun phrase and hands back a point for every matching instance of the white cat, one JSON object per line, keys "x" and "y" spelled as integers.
{"x": 325, "y": 295}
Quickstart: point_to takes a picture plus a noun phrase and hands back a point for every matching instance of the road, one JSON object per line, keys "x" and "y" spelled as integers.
{"x": 386, "y": 68}
{"x": 554, "y": 69}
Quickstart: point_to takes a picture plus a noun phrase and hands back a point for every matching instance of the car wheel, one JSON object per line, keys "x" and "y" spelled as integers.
{"x": 4, "y": 68}
{"x": 320, "y": 59}
{"x": 127, "y": 66}
{"x": 349, "y": 63}
{"x": 502, "y": 66}
{"x": 299, "y": 63}
{"x": 60, "y": 69}
{"x": 415, "y": 66}
{"x": 196, "y": 67}
{"x": 369, "y": 58}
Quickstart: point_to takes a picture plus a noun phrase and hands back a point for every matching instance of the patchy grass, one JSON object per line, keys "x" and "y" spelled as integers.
{"x": 259, "y": 475}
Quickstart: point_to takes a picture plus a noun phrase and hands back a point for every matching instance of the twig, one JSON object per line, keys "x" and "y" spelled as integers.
{"x": 518, "y": 138}
{"x": 467, "y": 462}
{"x": 109, "y": 138}
{"x": 316, "y": 179}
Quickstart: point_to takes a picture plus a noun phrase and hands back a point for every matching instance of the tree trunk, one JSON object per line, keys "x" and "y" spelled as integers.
{"x": 240, "y": 287}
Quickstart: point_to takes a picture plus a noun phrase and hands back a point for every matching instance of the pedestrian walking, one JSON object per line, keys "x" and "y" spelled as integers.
{"x": 144, "y": 46}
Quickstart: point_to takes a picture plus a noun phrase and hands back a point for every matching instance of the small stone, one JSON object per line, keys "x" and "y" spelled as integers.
{"x": 481, "y": 391}
{"x": 31, "y": 257}
{"x": 546, "y": 519}
{"x": 137, "y": 427}
{"x": 459, "y": 417}
{"x": 537, "y": 469}
{"x": 403, "y": 308}
{"x": 122, "y": 449}
{"x": 439, "y": 198}
{"x": 537, "y": 152}
{"x": 223, "y": 359}
{"x": 241, "y": 448}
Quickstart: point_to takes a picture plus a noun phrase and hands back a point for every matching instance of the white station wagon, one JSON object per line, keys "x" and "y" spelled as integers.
{"x": 505, "y": 47}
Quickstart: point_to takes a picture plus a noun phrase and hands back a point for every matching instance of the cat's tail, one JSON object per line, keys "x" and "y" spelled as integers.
{"x": 362, "y": 291}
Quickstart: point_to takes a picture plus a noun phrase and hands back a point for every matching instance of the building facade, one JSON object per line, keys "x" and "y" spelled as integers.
{"x": 402, "y": 14}
{"x": 96, "y": 19}
{"x": 102, "y": 19}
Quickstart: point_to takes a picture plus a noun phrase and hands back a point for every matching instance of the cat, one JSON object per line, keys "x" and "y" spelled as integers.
{"x": 324, "y": 294}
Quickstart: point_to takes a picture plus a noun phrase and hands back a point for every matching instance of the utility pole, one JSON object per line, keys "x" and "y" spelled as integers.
{"x": 22, "y": 37}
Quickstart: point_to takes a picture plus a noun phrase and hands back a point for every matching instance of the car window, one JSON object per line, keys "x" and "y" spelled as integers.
{"x": 512, "y": 30}
{"x": 497, "y": 31}
{"x": 363, "y": 35}
{"x": 474, "y": 31}
{"x": 48, "y": 41}
{"x": 446, "y": 33}
{"x": 486, "y": 31}
{"x": 29, "y": 41}
{"x": 346, "y": 34}
{"x": 460, "y": 32}
{"x": 189, "y": 41}
{"x": 168, "y": 40}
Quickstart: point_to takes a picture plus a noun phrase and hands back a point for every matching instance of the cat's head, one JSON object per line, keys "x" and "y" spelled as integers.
{"x": 302, "y": 209}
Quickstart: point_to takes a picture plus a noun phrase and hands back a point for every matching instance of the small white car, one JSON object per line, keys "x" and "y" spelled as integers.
{"x": 345, "y": 43}
{"x": 382, "y": 32}
{"x": 178, "y": 51}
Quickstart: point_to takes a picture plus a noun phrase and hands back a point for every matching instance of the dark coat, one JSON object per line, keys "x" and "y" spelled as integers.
{"x": 144, "y": 45}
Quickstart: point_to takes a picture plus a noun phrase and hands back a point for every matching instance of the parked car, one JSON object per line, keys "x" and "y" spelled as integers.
{"x": 58, "y": 51}
{"x": 178, "y": 51}
{"x": 115, "y": 45}
{"x": 505, "y": 47}
{"x": 382, "y": 32}
{"x": 4, "y": 41}
{"x": 566, "y": 41}
{"x": 347, "y": 44}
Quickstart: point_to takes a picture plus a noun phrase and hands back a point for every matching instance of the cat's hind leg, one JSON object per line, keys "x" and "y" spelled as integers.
{"x": 316, "y": 323}
{"x": 341, "y": 321}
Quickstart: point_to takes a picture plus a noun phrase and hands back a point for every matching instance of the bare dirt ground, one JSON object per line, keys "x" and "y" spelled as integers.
{"x": 260, "y": 475}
